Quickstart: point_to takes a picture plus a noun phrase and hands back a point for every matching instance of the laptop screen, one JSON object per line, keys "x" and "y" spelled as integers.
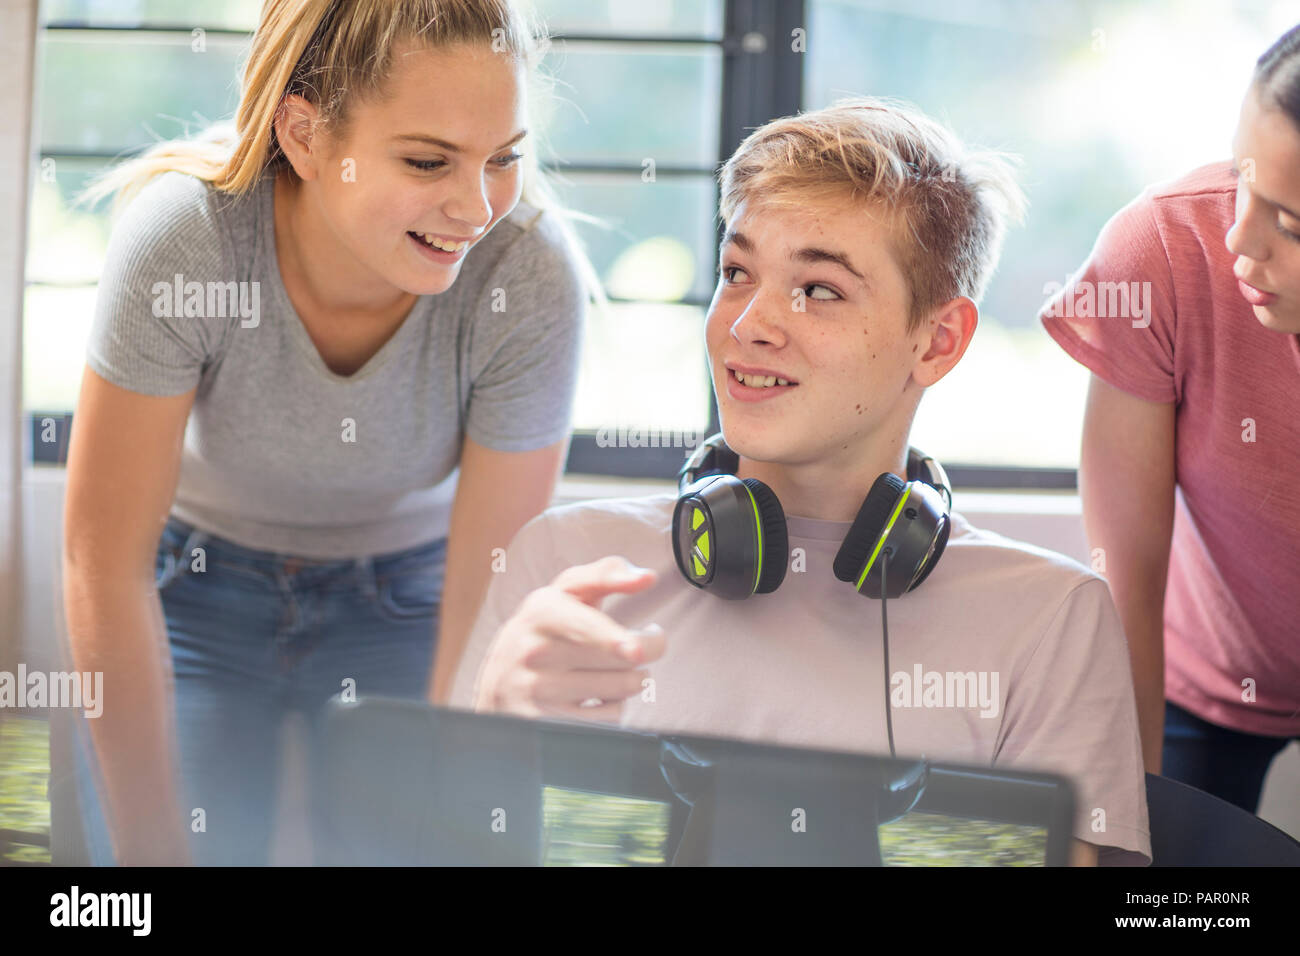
{"x": 409, "y": 784}
{"x": 597, "y": 829}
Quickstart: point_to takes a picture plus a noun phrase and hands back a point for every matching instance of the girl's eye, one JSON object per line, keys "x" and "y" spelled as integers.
{"x": 1287, "y": 232}
{"x": 727, "y": 270}
{"x": 429, "y": 165}
{"x": 814, "y": 285}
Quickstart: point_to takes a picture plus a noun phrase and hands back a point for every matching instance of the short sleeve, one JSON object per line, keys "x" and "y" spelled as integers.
{"x": 527, "y": 343}
{"x": 1117, "y": 314}
{"x": 529, "y": 563}
{"x": 151, "y": 333}
{"x": 1072, "y": 711}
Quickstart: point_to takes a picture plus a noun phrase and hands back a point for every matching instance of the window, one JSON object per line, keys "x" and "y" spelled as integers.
{"x": 100, "y": 99}
{"x": 1101, "y": 98}
{"x": 635, "y": 133}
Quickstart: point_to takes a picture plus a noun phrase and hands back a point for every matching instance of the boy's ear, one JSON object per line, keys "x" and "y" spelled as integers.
{"x": 943, "y": 337}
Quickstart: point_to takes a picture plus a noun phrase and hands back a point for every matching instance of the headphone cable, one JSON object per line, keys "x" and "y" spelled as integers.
{"x": 884, "y": 627}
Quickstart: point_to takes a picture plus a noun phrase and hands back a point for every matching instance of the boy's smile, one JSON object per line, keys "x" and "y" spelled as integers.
{"x": 747, "y": 383}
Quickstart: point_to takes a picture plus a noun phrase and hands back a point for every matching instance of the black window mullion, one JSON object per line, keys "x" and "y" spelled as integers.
{"x": 761, "y": 80}
{"x": 758, "y": 84}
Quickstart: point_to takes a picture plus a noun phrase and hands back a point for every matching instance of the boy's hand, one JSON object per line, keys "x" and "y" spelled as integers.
{"x": 559, "y": 649}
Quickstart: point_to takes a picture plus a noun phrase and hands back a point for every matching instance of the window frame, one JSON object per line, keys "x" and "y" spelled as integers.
{"x": 760, "y": 81}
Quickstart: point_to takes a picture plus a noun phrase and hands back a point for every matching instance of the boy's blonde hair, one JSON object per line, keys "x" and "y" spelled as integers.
{"x": 949, "y": 206}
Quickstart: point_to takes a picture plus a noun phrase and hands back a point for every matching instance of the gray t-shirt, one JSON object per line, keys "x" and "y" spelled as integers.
{"x": 282, "y": 454}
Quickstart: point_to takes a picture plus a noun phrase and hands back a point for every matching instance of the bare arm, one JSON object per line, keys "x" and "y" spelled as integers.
{"x": 123, "y": 466}
{"x": 1082, "y": 854}
{"x": 496, "y": 495}
{"x": 1126, "y": 481}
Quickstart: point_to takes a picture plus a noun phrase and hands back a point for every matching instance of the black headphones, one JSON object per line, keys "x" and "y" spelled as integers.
{"x": 729, "y": 534}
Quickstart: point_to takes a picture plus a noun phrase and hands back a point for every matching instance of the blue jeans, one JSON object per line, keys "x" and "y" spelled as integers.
{"x": 253, "y": 636}
{"x": 1229, "y": 764}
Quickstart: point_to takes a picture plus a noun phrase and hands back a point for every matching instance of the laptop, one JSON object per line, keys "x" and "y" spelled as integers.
{"x": 402, "y": 783}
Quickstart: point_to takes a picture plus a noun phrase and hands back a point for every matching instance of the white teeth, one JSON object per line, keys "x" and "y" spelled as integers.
{"x": 437, "y": 243}
{"x": 759, "y": 381}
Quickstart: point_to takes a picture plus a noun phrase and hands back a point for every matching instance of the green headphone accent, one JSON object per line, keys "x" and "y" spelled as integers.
{"x": 730, "y": 538}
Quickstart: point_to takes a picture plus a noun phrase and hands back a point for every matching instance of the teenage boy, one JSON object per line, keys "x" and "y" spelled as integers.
{"x": 859, "y": 239}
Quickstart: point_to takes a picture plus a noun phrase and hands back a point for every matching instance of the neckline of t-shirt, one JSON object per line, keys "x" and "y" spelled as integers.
{"x": 819, "y": 529}
{"x": 297, "y": 330}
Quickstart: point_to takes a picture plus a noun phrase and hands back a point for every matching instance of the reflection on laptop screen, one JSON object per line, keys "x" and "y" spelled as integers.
{"x": 406, "y": 784}
{"x": 921, "y": 838}
{"x": 596, "y": 829}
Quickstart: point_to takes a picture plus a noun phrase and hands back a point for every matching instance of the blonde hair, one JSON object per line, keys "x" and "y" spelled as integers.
{"x": 953, "y": 203}
{"x": 336, "y": 53}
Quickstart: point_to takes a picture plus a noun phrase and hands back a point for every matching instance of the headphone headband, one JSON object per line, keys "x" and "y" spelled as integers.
{"x": 921, "y": 467}
{"x": 713, "y": 455}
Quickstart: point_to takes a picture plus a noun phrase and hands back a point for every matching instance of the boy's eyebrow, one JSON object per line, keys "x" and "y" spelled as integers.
{"x": 452, "y": 147}
{"x": 740, "y": 239}
{"x": 807, "y": 254}
{"x": 816, "y": 254}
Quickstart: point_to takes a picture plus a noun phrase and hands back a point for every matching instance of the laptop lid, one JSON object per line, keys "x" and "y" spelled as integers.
{"x": 403, "y": 783}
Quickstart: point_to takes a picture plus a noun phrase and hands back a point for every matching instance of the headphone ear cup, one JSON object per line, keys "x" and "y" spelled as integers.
{"x": 865, "y": 530}
{"x": 940, "y": 543}
{"x": 776, "y": 540}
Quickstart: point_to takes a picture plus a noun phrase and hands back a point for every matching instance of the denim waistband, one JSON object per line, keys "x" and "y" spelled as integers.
{"x": 180, "y": 537}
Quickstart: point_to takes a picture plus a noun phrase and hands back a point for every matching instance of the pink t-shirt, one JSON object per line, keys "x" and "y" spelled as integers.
{"x": 1232, "y": 608}
{"x": 804, "y": 665}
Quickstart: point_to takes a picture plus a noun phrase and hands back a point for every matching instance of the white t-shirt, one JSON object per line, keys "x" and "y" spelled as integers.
{"x": 803, "y": 665}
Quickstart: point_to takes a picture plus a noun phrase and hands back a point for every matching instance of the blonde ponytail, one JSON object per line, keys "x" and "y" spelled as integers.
{"x": 334, "y": 53}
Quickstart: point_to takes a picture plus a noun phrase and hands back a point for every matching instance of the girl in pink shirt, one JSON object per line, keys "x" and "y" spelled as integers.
{"x": 1187, "y": 313}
